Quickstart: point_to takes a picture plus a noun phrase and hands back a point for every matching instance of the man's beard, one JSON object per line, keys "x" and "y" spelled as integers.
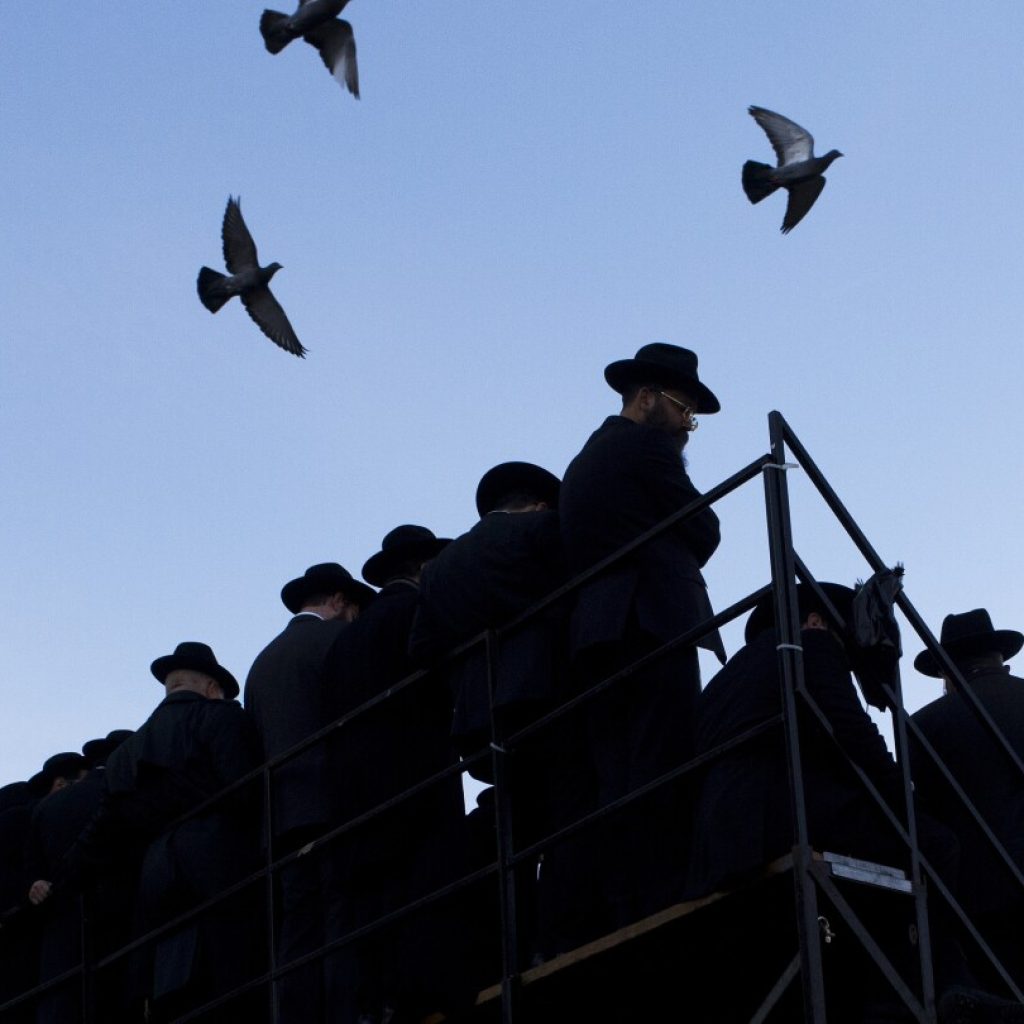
{"x": 661, "y": 419}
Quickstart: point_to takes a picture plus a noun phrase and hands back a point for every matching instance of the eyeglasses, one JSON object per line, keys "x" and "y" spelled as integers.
{"x": 689, "y": 413}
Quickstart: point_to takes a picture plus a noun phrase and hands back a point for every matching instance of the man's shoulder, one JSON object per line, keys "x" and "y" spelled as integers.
{"x": 303, "y": 633}
{"x": 624, "y": 444}
{"x": 614, "y": 431}
{"x": 498, "y": 527}
{"x": 1002, "y": 693}
{"x": 759, "y": 657}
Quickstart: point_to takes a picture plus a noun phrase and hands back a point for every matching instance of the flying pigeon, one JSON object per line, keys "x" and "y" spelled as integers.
{"x": 249, "y": 281}
{"x": 318, "y": 23}
{"x": 799, "y": 170}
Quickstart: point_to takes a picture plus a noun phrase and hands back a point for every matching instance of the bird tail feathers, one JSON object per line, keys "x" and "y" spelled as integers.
{"x": 275, "y": 36}
{"x": 206, "y": 285}
{"x": 757, "y": 180}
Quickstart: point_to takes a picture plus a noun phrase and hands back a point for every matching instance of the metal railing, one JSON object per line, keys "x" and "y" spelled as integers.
{"x": 811, "y": 882}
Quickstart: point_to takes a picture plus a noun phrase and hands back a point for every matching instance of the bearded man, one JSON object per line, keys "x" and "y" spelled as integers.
{"x": 629, "y": 477}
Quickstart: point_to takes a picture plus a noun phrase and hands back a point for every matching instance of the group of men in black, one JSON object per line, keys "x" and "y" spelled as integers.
{"x": 371, "y": 702}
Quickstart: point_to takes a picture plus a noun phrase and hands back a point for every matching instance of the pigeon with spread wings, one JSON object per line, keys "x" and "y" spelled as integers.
{"x": 248, "y": 280}
{"x": 317, "y": 22}
{"x": 799, "y": 171}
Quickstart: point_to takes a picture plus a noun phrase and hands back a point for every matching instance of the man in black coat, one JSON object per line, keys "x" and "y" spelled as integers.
{"x": 413, "y": 848}
{"x": 992, "y": 898}
{"x": 196, "y": 742}
{"x": 629, "y": 477}
{"x": 19, "y": 931}
{"x": 284, "y": 694}
{"x": 57, "y": 819}
{"x": 744, "y": 817}
{"x": 54, "y": 933}
{"x": 507, "y": 562}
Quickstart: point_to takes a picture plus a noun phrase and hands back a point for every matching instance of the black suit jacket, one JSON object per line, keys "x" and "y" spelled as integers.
{"x": 14, "y": 829}
{"x": 284, "y": 695}
{"x": 379, "y": 754}
{"x": 503, "y": 565}
{"x": 743, "y": 817}
{"x": 57, "y": 822}
{"x": 994, "y": 786}
{"x": 188, "y": 750}
{"x": 628, "y": 478}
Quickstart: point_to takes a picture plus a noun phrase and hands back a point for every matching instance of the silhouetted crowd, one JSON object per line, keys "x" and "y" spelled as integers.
{"x": 379, "y": 694}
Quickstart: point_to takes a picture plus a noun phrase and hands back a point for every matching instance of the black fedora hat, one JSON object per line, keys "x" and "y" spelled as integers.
{"x": 324, "y": 578}
{"x": 969, "y": 633}
{"x": 511, "y": 477}
{"x": 406, "y": 543}
{"x": 15, "y": 794}
{"x": 763, "y": 615}
{"x": 196, "y": 657}
{"x": 66, "y": 765}
{"x": 667, "y": 365}
{"x": 97, "y": 751}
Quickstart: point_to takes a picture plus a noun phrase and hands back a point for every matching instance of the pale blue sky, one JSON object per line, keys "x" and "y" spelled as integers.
{"x": 525, "y": 192}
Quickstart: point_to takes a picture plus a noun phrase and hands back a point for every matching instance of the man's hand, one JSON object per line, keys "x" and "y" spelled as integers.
{"x": 38, "y": 892}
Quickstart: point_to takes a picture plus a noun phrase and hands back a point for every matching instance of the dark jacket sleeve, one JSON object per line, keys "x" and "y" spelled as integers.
{"x": 830, "y": 684}
{"x": 36, "y": 865}
{"x": 673, "y": 490}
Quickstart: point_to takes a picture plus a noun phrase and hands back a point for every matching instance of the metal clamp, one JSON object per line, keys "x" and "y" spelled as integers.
{"x": 788, "y": 647}
{"x": 783, "y": 466}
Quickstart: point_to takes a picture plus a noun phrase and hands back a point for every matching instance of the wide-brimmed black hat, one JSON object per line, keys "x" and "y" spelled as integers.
{"x": 97, "y": 751}
{"x": 325, "y": 578}
{"x": 196, "y": 657}
{"x": 666, "y": 365}
{"x": 763, "y": 615}
{"x": 966, "y": 634}
{"x": 403, "y": 544}
{"x": 64, "y": 765}
{"x": 15, "y": 794}
{"x": 516, "y": 477}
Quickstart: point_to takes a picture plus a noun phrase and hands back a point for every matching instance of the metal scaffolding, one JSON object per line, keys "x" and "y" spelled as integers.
{"x": 816, "y": 881}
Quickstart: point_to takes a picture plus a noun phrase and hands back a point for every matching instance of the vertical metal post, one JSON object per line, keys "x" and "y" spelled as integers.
{"x": 510, "y": 983}
{"x": 86, "y": 964}
{"x": 268, "y": 833}
{"x": 780, "y": 543}
{"x": 916, "y": 875}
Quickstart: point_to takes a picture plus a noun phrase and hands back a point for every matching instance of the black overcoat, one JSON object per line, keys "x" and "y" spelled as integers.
{"x": 14, "y": 828}
{"x": 503, "y": 565}
{"x": 994, "y": 786}
{"x": 743, "y": 818}
{"x": 19, "y": 936}
{"x": 413, "y": 849}
{"x": 284, "y": 695}
{"x": 627, "y": 478}
{"x": 56, "y": 823}
{"x": 378, "y": 755}
{"x": 188, "y": 750}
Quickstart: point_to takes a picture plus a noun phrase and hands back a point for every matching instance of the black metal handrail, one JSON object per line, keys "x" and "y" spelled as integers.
{"x": 786, "y": 568}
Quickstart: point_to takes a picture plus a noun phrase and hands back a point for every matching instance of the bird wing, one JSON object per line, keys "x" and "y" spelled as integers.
{"x": 792, "y": 144}
{"x": 239, "y": 248}
{"x": 336, "y": 43}
{"x": 268, "y": 315}
{"x": 334, "y": 7}
{"x": 801, "y": 199}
